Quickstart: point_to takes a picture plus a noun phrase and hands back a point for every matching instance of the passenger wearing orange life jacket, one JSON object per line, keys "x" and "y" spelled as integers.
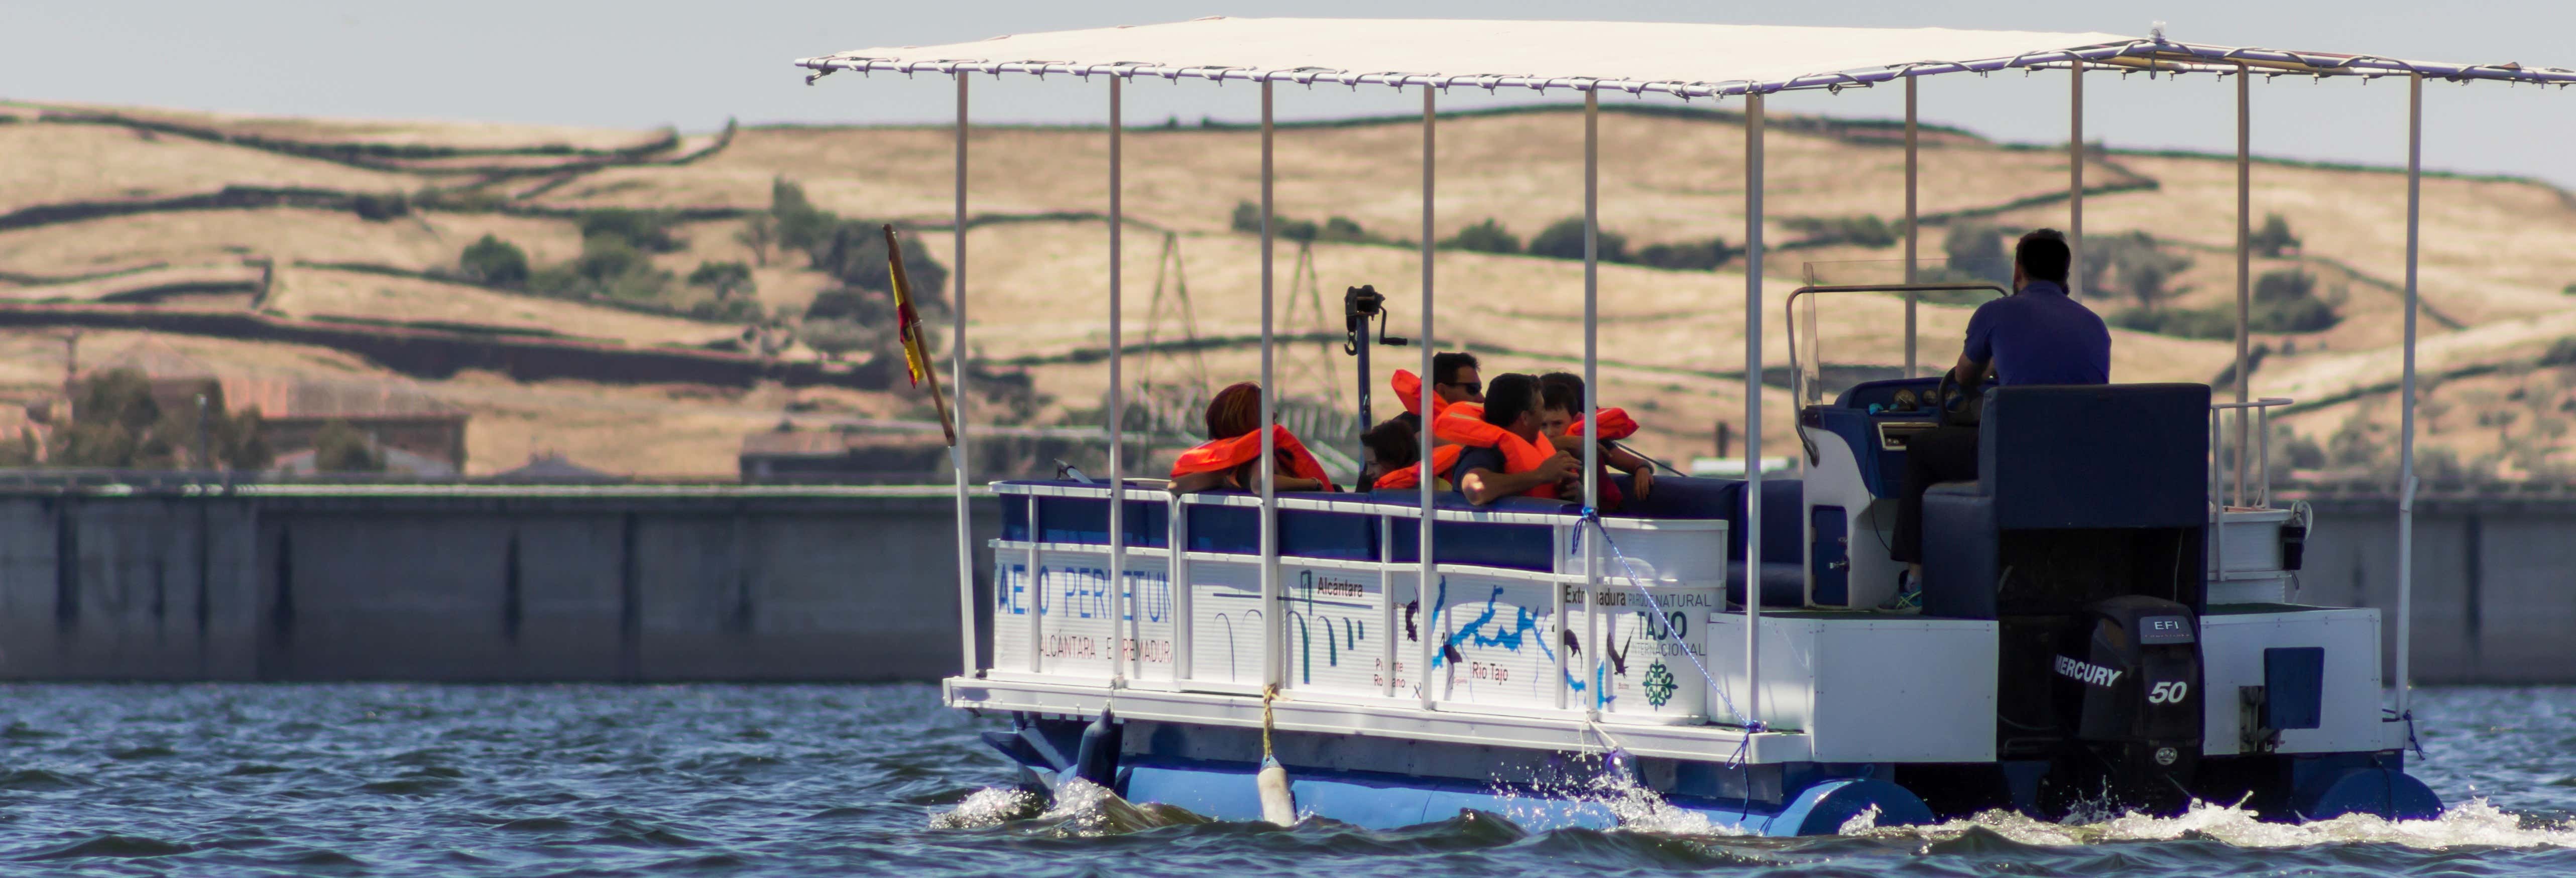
{"x": 1395, "y": 453}
{"x": 1454, "y": 381}
{"x": 1560, "y": 409}
{"x": 1505, "y": 454}
{"x": 1225, "y": 461}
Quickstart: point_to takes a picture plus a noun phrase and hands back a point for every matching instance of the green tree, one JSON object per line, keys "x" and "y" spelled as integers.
{"x": 800, "y": 225}
{"x": 495, "y": 262}
{"x": 1976, "y": 251}
{"x": 758, "y": 234}
{"x": 1485, "y": 237}
{"x": 1564, "y": 240}
{"x": 341, "y": 448}
{"x": 2287, "y": 301}
{"x": 856, "y": 254}
{"x": 724, "y": 280}
{"x": 2274, "y": 238}
{"x": 117, "y": 424}
{"x": 835, "y": 338}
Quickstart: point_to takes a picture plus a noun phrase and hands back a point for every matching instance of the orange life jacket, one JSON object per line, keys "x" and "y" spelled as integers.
{"x": 1519, "y": 455}
{"x": 1225, "y": 454}
{"x": 1442, "y": 458}
{"x": 1408, "y": 388}
{"x": 1615, "y": 425}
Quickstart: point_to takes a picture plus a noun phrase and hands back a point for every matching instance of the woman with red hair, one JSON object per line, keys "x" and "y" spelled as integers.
{"x": 1225, "y": 461}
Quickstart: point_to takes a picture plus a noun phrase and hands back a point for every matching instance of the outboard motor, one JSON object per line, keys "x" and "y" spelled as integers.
{"x": 2128, "y": 689}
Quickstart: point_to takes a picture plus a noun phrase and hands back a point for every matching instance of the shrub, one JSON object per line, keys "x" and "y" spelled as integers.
{"x": 647, "y": 230}
{"x": 340, "y": 448}
{"x": 379, "y": 207}
{"x": 1485, "y": 237}
{"x": 2561, "y": 353}
{"x": 495, "y": 262}
{"x": 1864, "y": 230}
{"x": 1564, "y": 240}
{"x": 2286, "y": 301}
{"x": 1687, "y": 256}
{"x": 1976, "y": 251}
{"x": 725, "y": 280}
{"x": 853, "y": 305}
{"x": 730, "y": 310}
{"x": 2274, "y": 238}
{"x": 833, "y": 338}
{"x": 2134, "y": 265}
{"x": 1345, "y": 230}
{"x": 2182, "y": 322}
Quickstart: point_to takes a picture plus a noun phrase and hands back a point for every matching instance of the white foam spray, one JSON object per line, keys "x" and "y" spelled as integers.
{"x": 2475, "y": 823}
{"x": 987, "y": 807}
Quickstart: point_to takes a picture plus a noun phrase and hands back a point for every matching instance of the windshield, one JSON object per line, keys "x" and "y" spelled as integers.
{"x": 1845, "y": 337}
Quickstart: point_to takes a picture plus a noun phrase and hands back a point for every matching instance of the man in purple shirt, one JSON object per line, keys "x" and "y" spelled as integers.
{"x": 2037, "y": 335}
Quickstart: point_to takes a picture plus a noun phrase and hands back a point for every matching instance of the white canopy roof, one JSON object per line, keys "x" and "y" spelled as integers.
{"x": 1689, "y": 60}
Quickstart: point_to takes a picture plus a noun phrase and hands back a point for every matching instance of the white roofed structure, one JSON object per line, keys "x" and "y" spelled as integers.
{"x": 1685, "y": 60}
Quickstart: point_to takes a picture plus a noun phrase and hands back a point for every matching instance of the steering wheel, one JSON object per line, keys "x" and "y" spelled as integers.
{"x": 1953, "y": 405}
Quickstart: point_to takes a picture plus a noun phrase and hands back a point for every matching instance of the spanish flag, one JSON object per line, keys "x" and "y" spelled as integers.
{"x": 916, "y": 361}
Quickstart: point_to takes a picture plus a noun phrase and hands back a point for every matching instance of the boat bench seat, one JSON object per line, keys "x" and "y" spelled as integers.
{"x": 1354, "y": 536}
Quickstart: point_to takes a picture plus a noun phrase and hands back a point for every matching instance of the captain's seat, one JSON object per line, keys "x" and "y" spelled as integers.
{"x": 2085, "y": 492}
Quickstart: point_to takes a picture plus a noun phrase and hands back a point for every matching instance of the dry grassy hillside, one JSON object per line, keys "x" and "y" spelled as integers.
{"x": 2498, "y": 255}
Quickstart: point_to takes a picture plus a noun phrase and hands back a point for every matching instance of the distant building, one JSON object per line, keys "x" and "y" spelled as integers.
{"x": 842, "y": 456}
{"x": 398, "y": 417}
{"x": 417, "y": 432}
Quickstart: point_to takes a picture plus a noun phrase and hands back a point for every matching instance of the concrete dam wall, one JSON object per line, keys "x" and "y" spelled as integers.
{"x": 481, "y": 583}
{"x": 671, "y": 583}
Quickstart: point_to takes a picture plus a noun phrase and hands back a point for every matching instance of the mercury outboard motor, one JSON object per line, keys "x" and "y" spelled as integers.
{"x": 2129, "y": 692}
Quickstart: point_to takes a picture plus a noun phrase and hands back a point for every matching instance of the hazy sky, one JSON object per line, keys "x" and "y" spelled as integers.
{"x": 646, "y": 63}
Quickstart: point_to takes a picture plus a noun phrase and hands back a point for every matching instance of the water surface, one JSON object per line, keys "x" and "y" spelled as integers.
{"x": 797, "y": 780}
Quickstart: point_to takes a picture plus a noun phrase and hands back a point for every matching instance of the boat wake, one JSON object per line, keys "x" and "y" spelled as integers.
{"x": 2474, "y": 823}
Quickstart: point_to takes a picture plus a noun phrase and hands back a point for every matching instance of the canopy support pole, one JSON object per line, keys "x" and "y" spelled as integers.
{"x": 2075, "y": 181}
{"x": 1426, "y": 584}
{"x": 1267, "y": 465}
{"x": 2244, "y": 266}
{"x": 957, "y": 379}
{"x": 1752, "y": 407}
{"x": 1913, "y": 169}
{"x": 1591, "y": 407}
{"x": 2406, "y": 409}
{"x": 1118, "y": 622}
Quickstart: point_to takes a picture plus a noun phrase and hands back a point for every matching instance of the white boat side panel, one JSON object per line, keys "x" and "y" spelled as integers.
{"x": 1071, "y": 593}
{"x": 1499, "y": 636}
{"x": 1659, "y": 551}
{"x": 1336, "y": 634}
{"x": 1227, "y": 622}
{"x": 2231, "y": 654}
{"x": 1655, "y": 649}
{"x": 1872, "y": 689}
{"x": 1544, "y": 729}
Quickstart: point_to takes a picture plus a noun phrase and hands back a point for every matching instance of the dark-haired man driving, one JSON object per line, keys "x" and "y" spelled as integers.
{"x": 2037, "y": 335}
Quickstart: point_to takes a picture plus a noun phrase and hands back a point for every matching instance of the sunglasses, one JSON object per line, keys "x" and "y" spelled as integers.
{"x": 1469, "y": 386}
